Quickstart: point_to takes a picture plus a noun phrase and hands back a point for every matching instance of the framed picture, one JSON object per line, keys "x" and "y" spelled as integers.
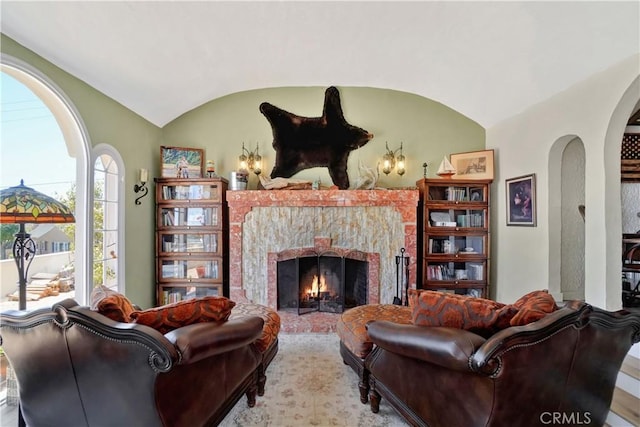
{"x": 181, "y": 162}
{"x": 521, "y": 200}
{"x": 473, "y": 165}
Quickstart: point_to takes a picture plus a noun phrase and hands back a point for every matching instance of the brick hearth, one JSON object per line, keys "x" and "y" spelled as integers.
{"x": 268, "y": 222}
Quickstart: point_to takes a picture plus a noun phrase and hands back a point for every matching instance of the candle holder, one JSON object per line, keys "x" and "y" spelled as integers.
{"x": 137, "y": 188}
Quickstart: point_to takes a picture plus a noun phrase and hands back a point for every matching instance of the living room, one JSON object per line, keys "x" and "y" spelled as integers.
{"x": 590, "y": 109}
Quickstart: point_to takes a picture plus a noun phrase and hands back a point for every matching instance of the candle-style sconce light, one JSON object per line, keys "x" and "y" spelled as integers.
{"x": 250, "y": 160}
{"x": 393, "y": 159}
{"x": 142, "y": 187}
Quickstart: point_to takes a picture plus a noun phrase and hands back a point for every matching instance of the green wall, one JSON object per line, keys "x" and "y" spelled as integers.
{"x": 137, "y": 141}
{"x": 428, "y": 130}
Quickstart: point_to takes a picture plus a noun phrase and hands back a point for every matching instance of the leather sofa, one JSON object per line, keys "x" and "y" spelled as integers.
{"x": 76, "y": 367}
{"x": 561, "y": 367}
{"x": 267, "y": 344}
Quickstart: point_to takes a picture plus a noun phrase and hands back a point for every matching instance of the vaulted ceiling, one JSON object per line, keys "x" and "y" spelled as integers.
{"x": 487, "y": 60}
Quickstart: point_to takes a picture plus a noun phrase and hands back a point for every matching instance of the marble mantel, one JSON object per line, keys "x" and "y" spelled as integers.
{"x": 263, "y": 222}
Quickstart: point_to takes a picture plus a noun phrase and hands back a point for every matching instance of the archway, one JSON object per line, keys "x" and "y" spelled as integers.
{"x": 566, "y": 225}
{"x": 613, "y": 215}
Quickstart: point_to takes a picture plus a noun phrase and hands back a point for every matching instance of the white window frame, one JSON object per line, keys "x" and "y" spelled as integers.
{"x": 77, "y": 141}
{"x": 118, "y": 195}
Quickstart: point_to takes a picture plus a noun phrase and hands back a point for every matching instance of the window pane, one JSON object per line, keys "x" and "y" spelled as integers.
{"x": 105, "y": 222}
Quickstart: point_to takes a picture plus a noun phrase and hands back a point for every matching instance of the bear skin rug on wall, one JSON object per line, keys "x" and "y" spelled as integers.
{"x": 307, "y": 142}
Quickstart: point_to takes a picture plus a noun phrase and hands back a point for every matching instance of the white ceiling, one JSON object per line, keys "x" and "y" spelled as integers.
{"x": 487, "y": 60}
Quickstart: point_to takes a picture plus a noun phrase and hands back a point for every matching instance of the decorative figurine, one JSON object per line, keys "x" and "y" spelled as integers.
{"x": 211, "y": 169}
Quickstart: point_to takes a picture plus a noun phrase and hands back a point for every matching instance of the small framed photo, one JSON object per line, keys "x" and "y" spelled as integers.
{"x": 181, "y": 162}
{"x": 473, "y": 165}
{"x": 521, "y": 200}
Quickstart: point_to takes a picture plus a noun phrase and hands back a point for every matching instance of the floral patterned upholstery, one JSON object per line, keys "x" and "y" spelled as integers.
{"x": 271, "y": 322}
{"x": 351, "y": 327}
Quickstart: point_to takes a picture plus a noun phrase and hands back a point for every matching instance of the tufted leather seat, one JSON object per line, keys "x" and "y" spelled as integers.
{"x": 76, "y": 367}
{"x": 563, "y": 365}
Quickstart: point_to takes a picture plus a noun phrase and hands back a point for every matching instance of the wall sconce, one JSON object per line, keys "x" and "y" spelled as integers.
{"x": 390, "y": 161}
{"x": 144, "y": 176}
{"x": 252, "y": 160}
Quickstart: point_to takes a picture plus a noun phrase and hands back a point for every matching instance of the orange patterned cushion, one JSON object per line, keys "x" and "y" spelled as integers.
{"x": 479, "y": 315}
{"x": 532, "y": 307}
{"x": 112, "y": 304}
{"x": 271, "y": 322}
{"x": 352, "y": 325}
{"x": 182, "y": 313}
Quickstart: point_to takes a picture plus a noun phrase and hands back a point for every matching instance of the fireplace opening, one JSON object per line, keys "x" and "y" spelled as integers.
{"x": 325, "y": 282}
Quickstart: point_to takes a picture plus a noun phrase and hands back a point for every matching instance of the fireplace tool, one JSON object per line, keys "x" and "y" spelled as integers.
{"x": 402, "y": 275}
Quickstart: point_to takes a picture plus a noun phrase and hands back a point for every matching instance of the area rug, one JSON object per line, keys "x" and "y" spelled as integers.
{"x": 309, "y": 385}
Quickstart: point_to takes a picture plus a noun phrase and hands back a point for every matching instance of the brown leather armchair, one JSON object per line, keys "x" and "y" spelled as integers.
{"x": 75, "y": 367}
{"x": 562, "y": 367}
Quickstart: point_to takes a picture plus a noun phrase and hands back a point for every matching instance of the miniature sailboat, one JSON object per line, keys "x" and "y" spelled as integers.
{"x": 446, "y": 169}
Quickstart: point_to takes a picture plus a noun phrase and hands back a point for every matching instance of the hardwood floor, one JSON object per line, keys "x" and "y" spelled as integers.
{"x": 626, "y": 396}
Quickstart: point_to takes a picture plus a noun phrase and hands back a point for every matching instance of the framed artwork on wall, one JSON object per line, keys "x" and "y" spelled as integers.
{"x": 181, "y": 162}
{"x": 521, "y": 200}
{"x": 473, "y": 165}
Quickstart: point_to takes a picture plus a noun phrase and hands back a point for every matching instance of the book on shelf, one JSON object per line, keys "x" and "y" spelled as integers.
{"x": 169, "y": 297}
{"x": 167, "y": 218}
{"x": 476, "y": 271}
{"x": 175, "y": 297}
{"x": 210, "y": 243}
{"x": 195, "y": 192}
{"x": 444, "y": 223}
{"x": 167, "y": 192}
{"x": 470, "y": 220}
{"x": 168, "y": 271}
{"x": 439, "y": 272}
{"x": 176, "y": 270}
{"x": 458, "y": 194}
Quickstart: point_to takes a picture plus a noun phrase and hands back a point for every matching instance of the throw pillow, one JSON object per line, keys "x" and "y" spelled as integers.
{"x": 173, "y": 316}
{"x": 532, "y": 307}
{"x": 479, "y": 315}
{"x": 111, "y": 303}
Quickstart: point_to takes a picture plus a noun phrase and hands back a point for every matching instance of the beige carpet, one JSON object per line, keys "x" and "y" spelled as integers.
{"x": 309, "y": 385}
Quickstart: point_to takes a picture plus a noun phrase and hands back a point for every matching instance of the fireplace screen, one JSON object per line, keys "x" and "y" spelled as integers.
{"x": 324, "y": 282}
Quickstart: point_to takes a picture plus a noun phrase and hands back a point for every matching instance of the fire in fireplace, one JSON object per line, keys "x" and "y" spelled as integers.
{"x": 325, "y": 282}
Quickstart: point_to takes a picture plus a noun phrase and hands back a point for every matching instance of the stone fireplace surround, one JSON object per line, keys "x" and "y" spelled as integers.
{"x": 264, "y": 224}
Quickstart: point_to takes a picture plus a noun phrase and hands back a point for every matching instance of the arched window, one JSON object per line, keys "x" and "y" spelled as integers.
{"x": 108, "y": 218}
{"x": 77, "y": 143}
